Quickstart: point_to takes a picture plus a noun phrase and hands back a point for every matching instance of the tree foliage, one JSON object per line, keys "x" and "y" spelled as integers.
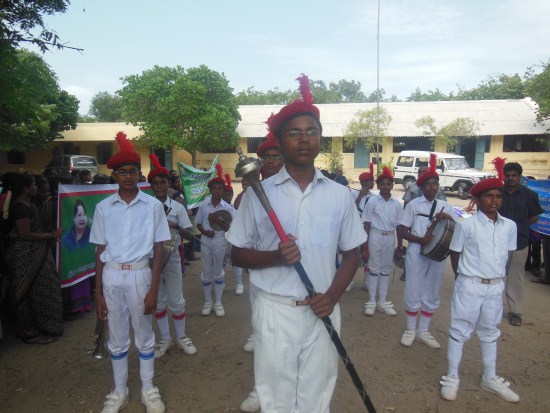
{"x": 190, "y": 109}
{"x": 332, "y": 155}
{"x": 450, "y": 133}
{"x": 33, "y": 109}
{"x": 538, "y": 88}
{"x": 495, "y": 87}
{"x": 106, "y": 107}
{"x": 369, "y": 126}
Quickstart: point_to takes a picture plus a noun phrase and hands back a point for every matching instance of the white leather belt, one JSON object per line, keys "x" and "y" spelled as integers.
{"x": 384, "y": 233}
{"x": 127, "y": 267}
{"x": 283, "y": 300}
{"x": 489, "y": 281}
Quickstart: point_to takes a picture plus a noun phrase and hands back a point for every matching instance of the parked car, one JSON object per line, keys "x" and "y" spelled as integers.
{"x": 454, "y": 172}
{"x": 65, "y": 164}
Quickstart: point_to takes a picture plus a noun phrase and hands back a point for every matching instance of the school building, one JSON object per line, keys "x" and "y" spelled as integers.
{"x": 505, "y": 128}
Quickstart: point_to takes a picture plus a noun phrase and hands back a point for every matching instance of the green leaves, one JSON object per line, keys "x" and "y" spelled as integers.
{"x": 449, "y": 134}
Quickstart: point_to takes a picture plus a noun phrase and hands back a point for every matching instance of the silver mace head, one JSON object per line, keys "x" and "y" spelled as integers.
{"x": 248, "y": 168}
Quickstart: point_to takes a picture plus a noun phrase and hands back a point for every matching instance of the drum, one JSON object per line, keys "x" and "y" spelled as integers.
{"x": 438, "y": 248}
{"x": 169, "y": 246}
{"x": 225, "y": 216}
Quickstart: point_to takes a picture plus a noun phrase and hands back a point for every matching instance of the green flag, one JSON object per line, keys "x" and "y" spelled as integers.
{"x": 195, "y": 183}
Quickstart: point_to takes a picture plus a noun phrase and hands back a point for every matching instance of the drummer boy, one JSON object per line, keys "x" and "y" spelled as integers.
{"x": 424, "y": 275}
{"x": 479, "y": 253}
{"x": 213, "y": 229}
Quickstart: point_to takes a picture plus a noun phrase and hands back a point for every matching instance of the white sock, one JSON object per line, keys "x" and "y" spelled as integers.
{"x": 162, "y": 324}
{"x": 366, "y": 279}
{"x": 238, "y": 273}
{"x": 373, "y": 285}
{"x": 120, "y": 373}
{"x": 489, "y": 356}
{"x": 207, "y": 289}
{"x": 146, "y": 370}
{"x": 179, "y": 324}
{"x": 424, "y": 323}
{"x": 384, "y": 284}
{"x": 454, "y": 355}
{"x": 219, "y": 285}
{"x": 411, "y": 320}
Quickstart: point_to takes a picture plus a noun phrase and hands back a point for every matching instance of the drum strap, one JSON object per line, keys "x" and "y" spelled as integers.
{"x": 432, "y": 210}
{"x": 364, "y": 205}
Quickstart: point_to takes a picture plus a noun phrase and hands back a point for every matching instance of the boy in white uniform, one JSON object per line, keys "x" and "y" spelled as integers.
{"x": 129, "y": 228}
{"x": 424, "y": 275}
{"x": 213, "y": 244}
{"x": 380, "y": 218}
{"x": 295, "y": 361}
{"x": 480, "y": 250}
{"x": 171, "y": 282}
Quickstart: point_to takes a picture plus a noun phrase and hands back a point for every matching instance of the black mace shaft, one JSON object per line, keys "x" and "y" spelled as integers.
{"x": 249, "y": 169}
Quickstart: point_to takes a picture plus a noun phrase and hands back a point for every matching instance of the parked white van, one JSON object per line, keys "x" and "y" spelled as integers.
{"x": 454, "y": 172}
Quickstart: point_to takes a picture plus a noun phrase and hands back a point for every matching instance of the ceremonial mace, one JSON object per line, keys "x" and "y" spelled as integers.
{"x": 249, "y": 169}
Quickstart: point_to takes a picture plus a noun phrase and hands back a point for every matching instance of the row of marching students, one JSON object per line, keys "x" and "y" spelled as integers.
{"x": 482, "y": 250}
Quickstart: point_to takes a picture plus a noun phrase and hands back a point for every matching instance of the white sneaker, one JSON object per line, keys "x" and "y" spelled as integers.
{"x": 251, "y": 403}
{"x": 449, "y": 387}
{"x": 350, "y": 286}
{"x": 427, "y": 339}
{"x": 162, "y": 347}
{"x": 386, "y": 308}
{"x": 220, "y": 312}
{"x": 370, "y": 308}
{"x": 249, "y": 345}
{"x": 407, "y": 338}
{"x": 151, "y": 399}
{"x": 186, "y": 345}
{"x": 240, "y": 289}
{"x": 500, "y": 387}
{"x": 206, "y": 308}
{"x": 114, "y": 402}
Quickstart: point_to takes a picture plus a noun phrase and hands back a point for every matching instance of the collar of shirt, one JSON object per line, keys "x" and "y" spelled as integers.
{"x": 283, "y": 176}
{"x": 484, "y": 219}
{"x": 141, "y": 196}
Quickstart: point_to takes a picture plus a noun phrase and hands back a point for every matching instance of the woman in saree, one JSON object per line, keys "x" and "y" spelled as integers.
{"x": 34, "y": 279}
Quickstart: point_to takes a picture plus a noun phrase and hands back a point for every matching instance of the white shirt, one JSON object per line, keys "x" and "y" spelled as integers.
{"x": 420, "y": 224}
{"x": 322, "y": 218}
{"x": 207, "y": 208}
{"x": 383, "y": 215}
{"x": 129, "y": 231}
{"x": 177, "y": 214}
{"x": 484, "y": 245}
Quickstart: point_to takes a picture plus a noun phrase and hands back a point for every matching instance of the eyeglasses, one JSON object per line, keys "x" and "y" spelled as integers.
{"x": 131, "y": 172}
{"x": 296, "y": 133}
{"x": 266, "y": 158}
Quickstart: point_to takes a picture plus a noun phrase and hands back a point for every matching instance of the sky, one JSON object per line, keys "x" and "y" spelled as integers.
{"x": 267, "y": 44}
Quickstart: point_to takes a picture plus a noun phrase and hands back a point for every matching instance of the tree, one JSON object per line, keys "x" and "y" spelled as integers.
{"x": 20, "y": 17}
{"x": 369, "y": 126}
{"x": 499, "y": 86}
{"x": 449, "y": 134}
{"x": 106, "y": 107}
{"x": 538, "y": 88}
{"x": 332, "y": 155}
{"x": 251, "y": 96}
{"x": 193, "y": 110}
{"x": 33, "y": 109}
{"x": 431, "y": 96}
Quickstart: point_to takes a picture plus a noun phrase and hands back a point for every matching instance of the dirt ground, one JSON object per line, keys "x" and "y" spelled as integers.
{"x": 63, "y": 377}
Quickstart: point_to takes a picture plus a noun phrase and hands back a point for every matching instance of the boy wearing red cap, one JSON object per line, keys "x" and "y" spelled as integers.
{"x": 480, "y": 250}
{"x": 171, "y": 282}
{"x": 213, "y": 244}
{"x": 380, "y": 219}
{"x": 424, "y": 275}
{"x": 295, "y": 362}
{"x": 129, "y": 228}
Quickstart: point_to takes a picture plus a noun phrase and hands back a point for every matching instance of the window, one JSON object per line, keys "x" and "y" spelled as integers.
{"x": 526, "y": 143}
{"x": 17, "y": 158}
{"x": 103, "y": 152}
{"x": 412, "y": 144}
{"x": 405, "y": 161}
{"x": 348, "y": 148}
{"x": 252, "y": 144}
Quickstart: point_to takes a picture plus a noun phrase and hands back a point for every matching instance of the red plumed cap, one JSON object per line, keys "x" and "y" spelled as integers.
{"x": 268, "y": 144}
{"x": 228, "y": 186}
{"x": 499, "y": 166}
{"x": 386, "y": 173}
{"x": 219, "y": 177}
{"x": 430, "y": 173}
{"x": 158, "y": 168}
{"x": 486, "y": 185}
{"x": 300, "y": 107}
{"x": 367, "y": 176}
{"x": 126, "y": 155}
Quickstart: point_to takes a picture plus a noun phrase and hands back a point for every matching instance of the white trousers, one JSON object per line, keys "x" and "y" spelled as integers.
{"x": 171, "y": 286}
{"x": 381, "y": 251}
{"x": 295, "y": 361}
{"x": 423, "y": 282}
{"x": 124, "y": 292}
{"x": 212, "y": 255}
{"x": 475, "y": 306}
